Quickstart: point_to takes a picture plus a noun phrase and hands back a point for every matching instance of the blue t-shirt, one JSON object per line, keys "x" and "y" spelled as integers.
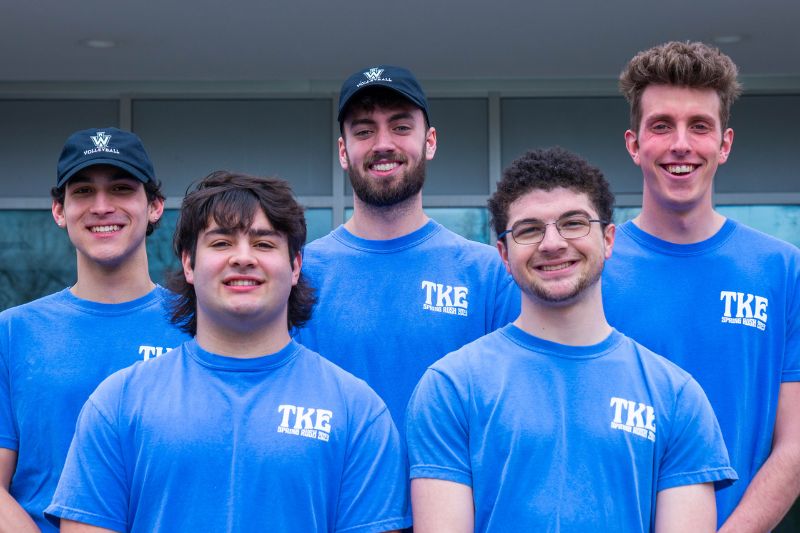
{"x": 389, "y": 308}
{"x": 195, "y": 441}
{"x": 562, "y": 438}
{"x": 727, "y": 310}
{"x": 54, "y": 352}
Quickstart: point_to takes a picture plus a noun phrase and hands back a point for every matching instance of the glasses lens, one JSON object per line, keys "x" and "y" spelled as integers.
{"x": 574, "y": 227}
{"x": 528, "y": 232}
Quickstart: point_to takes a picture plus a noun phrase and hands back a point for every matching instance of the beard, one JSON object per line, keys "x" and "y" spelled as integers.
{"x": 545, "y": 294}
{"x": 386, "y": 192}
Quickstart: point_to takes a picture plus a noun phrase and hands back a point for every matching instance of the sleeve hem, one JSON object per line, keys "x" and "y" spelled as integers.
{"x": 726, "y": 475}
{"x": 377, "y": 527}
{"x": 441, "y": 472}
{"x": 54, "y": 514}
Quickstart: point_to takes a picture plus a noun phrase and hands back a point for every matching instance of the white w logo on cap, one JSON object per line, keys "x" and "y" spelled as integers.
{"x": 101, "y": 139}
{"x": 373, "y": 74}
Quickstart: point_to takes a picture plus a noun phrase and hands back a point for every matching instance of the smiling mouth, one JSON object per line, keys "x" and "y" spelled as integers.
{"x": 560, "y": 266}
{"x": 384, "y": 167}
{"x": 105, "y": 229}
{"x": 242, "y": 283}
{"x": 680, "y": 170}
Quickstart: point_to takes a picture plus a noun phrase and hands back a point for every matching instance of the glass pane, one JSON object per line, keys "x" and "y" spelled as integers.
{"x": 469, "y": 222}
{"x": 36, "y": 257}
{"x": 781, "y": 221}
{"x": 187, "y": 139}
{"x": 319, "y": 222}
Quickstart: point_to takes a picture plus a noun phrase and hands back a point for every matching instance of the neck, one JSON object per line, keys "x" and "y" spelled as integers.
{"x": 241, "y": 339}
{"x": 383, "y": 223}
{"x": 578, "y": 323}
{"x": 113, "y": 283}
{"x": 679, "y": 226}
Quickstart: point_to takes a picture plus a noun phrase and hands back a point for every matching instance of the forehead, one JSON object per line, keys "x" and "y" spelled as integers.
{"x": 672, "y": 100}
{"x": 549, "y": 205}
{"x": 259, "y": 223}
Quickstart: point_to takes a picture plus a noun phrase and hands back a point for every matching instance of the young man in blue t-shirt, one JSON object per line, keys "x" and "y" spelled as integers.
{"x": 557, "y": 422}
{"x": 396, "y": 289}
{"x": 241, "y": 428}
{"x": 716, "y": 297}
{"x": 55, "y": 350}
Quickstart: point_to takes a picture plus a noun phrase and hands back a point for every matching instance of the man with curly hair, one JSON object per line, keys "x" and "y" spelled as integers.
{"x": 241, "y": 428}
{"x": 557, "y": 422}
{"x": 718, "y": 298}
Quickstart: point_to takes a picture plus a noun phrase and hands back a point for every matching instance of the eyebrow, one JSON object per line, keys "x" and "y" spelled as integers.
{"x": 669, "y": 118}
{"x": 401, "y": 115}
{"x": 252, "y": 232}
{"x": 565, "y": 214}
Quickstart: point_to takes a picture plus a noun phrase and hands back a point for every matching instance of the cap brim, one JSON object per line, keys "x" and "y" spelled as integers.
{"x": 379, "y": 84}
{"x": 133, "y": 171}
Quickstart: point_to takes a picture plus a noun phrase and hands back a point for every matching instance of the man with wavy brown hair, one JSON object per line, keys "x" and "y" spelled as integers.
{"x": 241, "y": 428}
{"x": 720, "y": 299}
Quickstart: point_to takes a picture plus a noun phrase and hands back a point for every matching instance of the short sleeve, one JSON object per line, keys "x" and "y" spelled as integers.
{"x": 507, "y": 301}
{"x": 374, "y": 490}
{"x": 93, "y": 488}
{"x": 9, "y": 437}
{"x": 437, "y": 431}
{"x": 695, "y": 450}
{"x": 791, "y": 360}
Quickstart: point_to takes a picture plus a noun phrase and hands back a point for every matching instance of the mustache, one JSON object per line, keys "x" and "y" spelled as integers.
{"x": 391, "y": 156}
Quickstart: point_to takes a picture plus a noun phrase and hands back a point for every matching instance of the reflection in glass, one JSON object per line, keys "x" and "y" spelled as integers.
{"x": 469, "y": 222}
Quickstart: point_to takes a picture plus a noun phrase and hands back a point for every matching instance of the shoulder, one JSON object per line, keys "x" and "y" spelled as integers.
{"x": 658, "y": 369}
{"x": 43, "y": 304}
{"x": 330, "y": 379}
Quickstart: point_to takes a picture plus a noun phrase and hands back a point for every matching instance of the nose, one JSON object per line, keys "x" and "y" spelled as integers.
{"x": 242, "y": 255}
{"x": 384, "y": 140}
{"x": 102, "y": 204}
{"x": 552, "y": 240}
{"x": 680, "y": 141}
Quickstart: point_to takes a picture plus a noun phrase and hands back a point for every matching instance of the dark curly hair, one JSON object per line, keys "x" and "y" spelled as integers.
{"x": 547, "y": 169}
{"x": 684, "y": 64}
{"x": 231, "y": 200}
{"x": 152, "y": 189}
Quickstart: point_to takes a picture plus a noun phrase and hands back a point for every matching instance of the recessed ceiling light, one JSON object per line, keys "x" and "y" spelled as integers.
{"x": 728, "y": 39}
{"x": 98, "y": 43}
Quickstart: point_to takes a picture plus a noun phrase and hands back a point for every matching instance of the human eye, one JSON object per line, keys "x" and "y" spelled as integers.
{"x": 573, "y": 222}
{"x": 219, "y": 244}
{"x": 80, "y": 190}
{"x": 123, "y": 188}
{"x": 402, "y": 128}
{"x": 701, "y": 127}
{"x": 659, "y": 127}
{"x": 264, "y": 245}
{"x": 528, "y": 232}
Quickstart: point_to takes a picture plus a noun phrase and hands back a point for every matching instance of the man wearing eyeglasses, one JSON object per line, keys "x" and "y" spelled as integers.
{"x": 557, "y": 421}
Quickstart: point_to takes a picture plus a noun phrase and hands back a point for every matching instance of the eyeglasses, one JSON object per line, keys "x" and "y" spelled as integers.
{"x": 532, "y": 231}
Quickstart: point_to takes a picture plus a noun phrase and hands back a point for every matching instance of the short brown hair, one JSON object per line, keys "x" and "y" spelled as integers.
{"x": 231, "y": 200}
{"x": 685, "y": 64}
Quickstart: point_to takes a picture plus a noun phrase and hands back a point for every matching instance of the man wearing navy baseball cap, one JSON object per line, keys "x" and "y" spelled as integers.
{"x": 55, "y": 350}
{"x": 403, "y": 290}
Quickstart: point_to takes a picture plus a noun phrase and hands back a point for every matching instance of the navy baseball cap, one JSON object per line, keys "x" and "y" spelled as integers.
{"x": 104, "y": 146}
{"x": 398, "y": 79}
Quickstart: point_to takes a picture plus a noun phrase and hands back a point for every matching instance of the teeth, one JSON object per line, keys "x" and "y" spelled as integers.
{"x": 548, "y": 268}
{"x": 384, "y": 167}
{"x": 105, "y": 229}
{"x": 242, "y": 282}
{"x": 680, "y": 169}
